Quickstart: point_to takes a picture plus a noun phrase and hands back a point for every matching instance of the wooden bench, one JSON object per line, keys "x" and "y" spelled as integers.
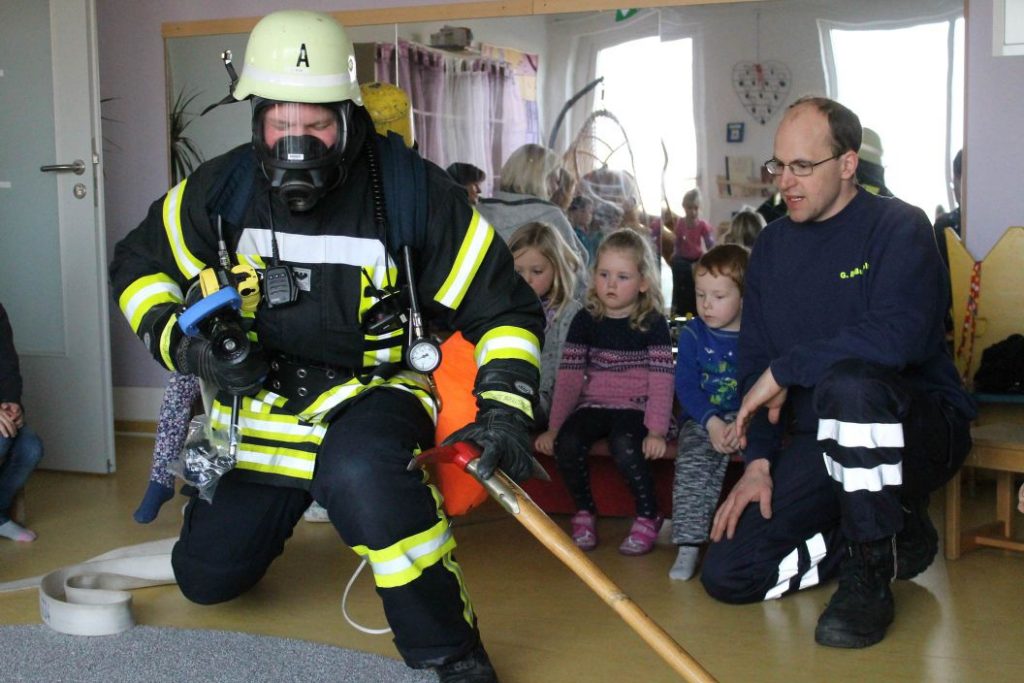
{"x": 611, "y": 494}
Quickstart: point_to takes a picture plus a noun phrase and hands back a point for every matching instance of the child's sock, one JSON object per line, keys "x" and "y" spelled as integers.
{"x": 686, "y": 563}
{"x": 156, "y": 495}
{"x": 14, "y": 531}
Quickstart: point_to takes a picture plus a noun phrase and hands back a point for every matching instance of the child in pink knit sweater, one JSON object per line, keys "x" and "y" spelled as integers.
{"x": 615, "y": 380}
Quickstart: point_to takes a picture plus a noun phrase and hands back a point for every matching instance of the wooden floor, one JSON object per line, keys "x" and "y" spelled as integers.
{"x": 960, "y": 621}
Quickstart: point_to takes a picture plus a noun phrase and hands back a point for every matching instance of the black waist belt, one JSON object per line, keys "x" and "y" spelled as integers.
{"x": 301, "y": 381}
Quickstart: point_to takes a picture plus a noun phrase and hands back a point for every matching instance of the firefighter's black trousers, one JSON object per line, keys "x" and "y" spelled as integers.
{"x": 361, "y": 479}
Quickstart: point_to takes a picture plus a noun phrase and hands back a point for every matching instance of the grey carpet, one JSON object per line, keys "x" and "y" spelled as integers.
{"x": 151, "y": 655}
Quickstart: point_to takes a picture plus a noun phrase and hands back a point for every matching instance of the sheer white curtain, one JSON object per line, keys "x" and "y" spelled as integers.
{"x": 466, "y": 108}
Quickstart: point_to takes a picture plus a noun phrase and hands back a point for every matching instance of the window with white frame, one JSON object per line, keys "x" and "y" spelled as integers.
{"x": 650, "y": 113}
{"x": 907, "y": 84}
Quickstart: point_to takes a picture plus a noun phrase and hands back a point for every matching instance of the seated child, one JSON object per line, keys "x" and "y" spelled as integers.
{"x": 20, "y": 447}
{"x": 707, "y": 391}
{"x": 550, "y": 267}
{"x": 171, "y": 432}
{"x": 614, "y": 381}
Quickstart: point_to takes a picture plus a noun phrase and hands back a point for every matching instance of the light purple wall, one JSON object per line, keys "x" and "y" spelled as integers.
{"x": 994, "y": 147}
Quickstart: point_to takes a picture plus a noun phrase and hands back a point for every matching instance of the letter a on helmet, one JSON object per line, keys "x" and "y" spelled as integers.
{"x": 299, "y": 56}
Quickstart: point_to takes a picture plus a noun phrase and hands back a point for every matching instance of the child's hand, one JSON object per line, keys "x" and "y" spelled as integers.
{"x": 654, "y": 447}
{"x": 13, "y": 411}
{"x": 8, "y": 429}
{"x": 1020, "y": 499}
{"x": 545, "y": 442}
{"x": 723, "y": 435}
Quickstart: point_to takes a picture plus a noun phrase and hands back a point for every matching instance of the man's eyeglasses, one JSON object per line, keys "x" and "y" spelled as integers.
{"x": 798, "y": 167}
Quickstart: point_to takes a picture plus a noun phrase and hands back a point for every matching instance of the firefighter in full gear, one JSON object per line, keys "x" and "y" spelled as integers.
{"x": 333, "y": 404}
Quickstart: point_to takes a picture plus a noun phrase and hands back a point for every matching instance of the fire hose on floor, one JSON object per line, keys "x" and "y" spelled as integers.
{"x": 521, "y": 506}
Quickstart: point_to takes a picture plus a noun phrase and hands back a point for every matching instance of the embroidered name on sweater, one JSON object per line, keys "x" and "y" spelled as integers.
{"x": 856, "y": 272}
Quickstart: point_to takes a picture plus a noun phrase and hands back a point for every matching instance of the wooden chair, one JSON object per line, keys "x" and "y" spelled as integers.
{"x": 1000, "y": 447}
{"x": 999, "y": 432}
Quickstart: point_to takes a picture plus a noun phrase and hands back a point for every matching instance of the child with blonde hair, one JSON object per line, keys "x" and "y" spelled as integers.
{"x": 615, "y": 381}
{"x": 707, "y": 392}
{"x": 551, "y": 269}
{"x": 746, "y": 225}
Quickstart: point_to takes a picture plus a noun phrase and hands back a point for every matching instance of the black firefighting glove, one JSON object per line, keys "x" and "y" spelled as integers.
{"x": 506, "y": 396}
{"x": 241, "y": 375}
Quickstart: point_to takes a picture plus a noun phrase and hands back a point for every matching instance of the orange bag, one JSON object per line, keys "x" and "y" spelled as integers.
{"x": 455, "y": 380}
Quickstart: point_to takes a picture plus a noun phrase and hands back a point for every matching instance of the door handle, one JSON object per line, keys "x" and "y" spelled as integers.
{"x": 78, "y": 168}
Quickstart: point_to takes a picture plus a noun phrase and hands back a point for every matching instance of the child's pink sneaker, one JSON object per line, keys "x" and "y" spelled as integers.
{"x": 584, "y": 530}
{"x": 642, "y": 535}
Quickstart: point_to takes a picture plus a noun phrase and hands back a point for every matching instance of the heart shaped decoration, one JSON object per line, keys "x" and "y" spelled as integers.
{"x": 761, "y": 87}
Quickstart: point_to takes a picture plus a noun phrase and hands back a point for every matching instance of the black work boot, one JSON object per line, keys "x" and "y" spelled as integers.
{"x": 918, "y": 543}
{"x": 862, "y": 607}
{"x": 475, "y": 667}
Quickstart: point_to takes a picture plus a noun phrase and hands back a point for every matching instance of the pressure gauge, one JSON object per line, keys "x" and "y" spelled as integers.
{"x": 423, "y": 355}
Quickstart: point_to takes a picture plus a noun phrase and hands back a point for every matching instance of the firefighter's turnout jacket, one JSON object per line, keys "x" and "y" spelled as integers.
{"x": 337, "y": 252}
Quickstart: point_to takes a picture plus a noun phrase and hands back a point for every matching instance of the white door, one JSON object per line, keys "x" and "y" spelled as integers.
{"x": 52, "y": 244}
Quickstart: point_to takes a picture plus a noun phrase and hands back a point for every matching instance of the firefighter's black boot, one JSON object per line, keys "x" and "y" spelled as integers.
{"x": 474, "y": 667}
{"x": 918, "y": 542}
{"x": 862, "y": 607}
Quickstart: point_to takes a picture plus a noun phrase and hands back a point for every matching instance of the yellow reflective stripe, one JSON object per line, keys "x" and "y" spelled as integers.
{"x": 379, "y": 276}
{"x": 407, "y": 381}
{"x": 188, "y": 264}
{"x": 335, "y": 396}
{"x": 254, "y": 260}
{"x": 281, "y": 427}
{"x": 143, "y": 294}
{"x": 509, "y": 399}
{"x": 403, "y": 562}
{"x": 277, "y": 461}
{"x": 165, "y": 341}
{"x": 467, "y": 605}
{"x": 471, "y": 254}
{"x": 508, "y": 342}
{"x": 391, "y": 354}
{"x": 416, "y": 384}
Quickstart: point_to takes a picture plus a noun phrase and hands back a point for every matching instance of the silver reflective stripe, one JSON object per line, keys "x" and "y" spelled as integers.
{"x": 862, "y": 435}
{"x": 408, "y": 560}
{"x": 816, "y": 550}
{"x": 299, "y": 79}
{"x": 865, "y": 478}
{"x": 325, "y": 249}
{"x": 789, "y": 566}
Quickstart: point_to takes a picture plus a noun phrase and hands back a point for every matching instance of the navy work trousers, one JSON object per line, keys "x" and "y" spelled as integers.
{"x": 863, "y": 439}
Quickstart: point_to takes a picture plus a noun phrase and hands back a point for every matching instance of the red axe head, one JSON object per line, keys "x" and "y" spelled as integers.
{"x": 460, "y": 453}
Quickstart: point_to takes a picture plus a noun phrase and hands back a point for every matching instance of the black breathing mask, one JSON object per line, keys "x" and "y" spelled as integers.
{"x": 301, "y": 148}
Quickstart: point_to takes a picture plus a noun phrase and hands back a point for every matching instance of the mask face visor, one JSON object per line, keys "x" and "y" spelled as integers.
{"x": 300, "y": 147}
{"x": 301, "y": 136}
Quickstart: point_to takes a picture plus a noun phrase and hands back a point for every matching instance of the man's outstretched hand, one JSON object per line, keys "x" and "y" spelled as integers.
{"x": 755, "y": 486}
{"x": 765, "y": 392}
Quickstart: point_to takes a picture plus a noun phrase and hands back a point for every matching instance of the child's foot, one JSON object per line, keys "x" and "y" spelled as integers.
{"x": 315, "y": 513}
{"x": 686, "y": 563}
{"x": 156, "y": 495}
{"x": 642, "y": 535}
{"x": 584, "y": 530}
{"x": 14, "y": 531}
